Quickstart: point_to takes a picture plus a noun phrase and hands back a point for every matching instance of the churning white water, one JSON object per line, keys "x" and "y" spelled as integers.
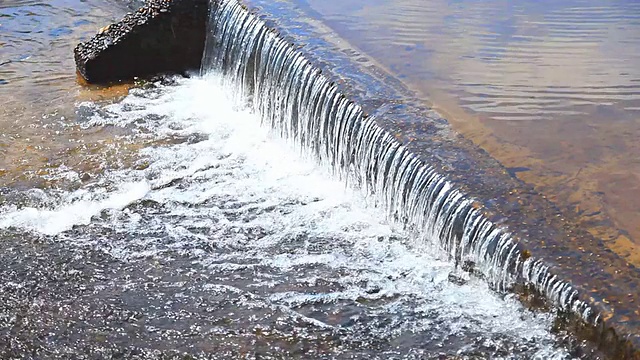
{"x": 305, "y": 259}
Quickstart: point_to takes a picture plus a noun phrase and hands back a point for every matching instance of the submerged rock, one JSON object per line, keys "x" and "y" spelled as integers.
{"x": 458, "y": 278}
{"x": 164, "y": 36}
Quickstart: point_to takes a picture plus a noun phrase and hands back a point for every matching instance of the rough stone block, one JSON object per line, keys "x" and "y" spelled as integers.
{"x": 164, "y": 36}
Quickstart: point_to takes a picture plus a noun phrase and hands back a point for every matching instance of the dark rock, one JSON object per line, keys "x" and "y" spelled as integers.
{"x": 468, "y": 266}
{"x": 164, "y": 36}
{"x": 458, "y": 279}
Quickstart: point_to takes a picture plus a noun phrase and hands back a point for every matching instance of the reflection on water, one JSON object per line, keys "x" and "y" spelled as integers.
{"x": 38, "y": 87}
{"x": 549, "y": 88}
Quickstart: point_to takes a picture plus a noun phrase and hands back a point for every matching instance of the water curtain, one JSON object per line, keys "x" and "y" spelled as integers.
{"x": 292, "y": 96}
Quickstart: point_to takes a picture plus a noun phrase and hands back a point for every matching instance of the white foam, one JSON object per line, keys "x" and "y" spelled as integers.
{"x": 78, "y": 211}
{"x": 268, "y": 210}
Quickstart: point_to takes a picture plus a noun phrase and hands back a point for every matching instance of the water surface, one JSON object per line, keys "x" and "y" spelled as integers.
{"x": 39, "y": 87}
{"x": 230, "y": 242}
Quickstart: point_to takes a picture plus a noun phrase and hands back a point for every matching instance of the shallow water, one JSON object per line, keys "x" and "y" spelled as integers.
{"x": 39, "y": 88}
{"x": 551, "y": 89}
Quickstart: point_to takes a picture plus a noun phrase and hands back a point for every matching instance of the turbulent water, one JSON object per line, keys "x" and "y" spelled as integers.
{"x": 234, "y": 233}
{"x": 235, "y": 244}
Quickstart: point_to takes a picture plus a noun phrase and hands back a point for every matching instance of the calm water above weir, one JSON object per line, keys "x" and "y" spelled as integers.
{"x": 150, "y": 225}
{"x": 549, "y": 88}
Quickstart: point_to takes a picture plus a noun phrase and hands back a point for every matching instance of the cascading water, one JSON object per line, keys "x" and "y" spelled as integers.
{"x": 295, "y": 99}
{"x": 221, "y": 242}
{"x": 202, "y": 234}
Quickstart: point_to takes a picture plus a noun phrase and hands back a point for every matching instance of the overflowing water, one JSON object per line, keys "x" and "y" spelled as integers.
{"x": 286, "y": 257}
{"x": 295, "y": 99}
{"x": 233, "y": 233}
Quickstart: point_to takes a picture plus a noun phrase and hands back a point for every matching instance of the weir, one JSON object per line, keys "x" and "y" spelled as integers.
{"x": 405, "y": 169}
{"x": 300, "y": 103}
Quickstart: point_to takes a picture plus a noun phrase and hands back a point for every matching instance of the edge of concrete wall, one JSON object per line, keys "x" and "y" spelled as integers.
{"x": 163, "y": 36}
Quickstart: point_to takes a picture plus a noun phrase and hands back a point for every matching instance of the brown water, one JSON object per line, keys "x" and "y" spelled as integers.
{"x": 549, "y": 88}
{"x": 39, "y": 89}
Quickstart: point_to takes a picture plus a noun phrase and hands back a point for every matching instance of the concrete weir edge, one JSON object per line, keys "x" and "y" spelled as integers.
{"x": 168, "y": 36}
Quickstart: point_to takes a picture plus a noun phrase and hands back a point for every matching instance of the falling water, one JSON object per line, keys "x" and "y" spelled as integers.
{"x": 300, "y": 104}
